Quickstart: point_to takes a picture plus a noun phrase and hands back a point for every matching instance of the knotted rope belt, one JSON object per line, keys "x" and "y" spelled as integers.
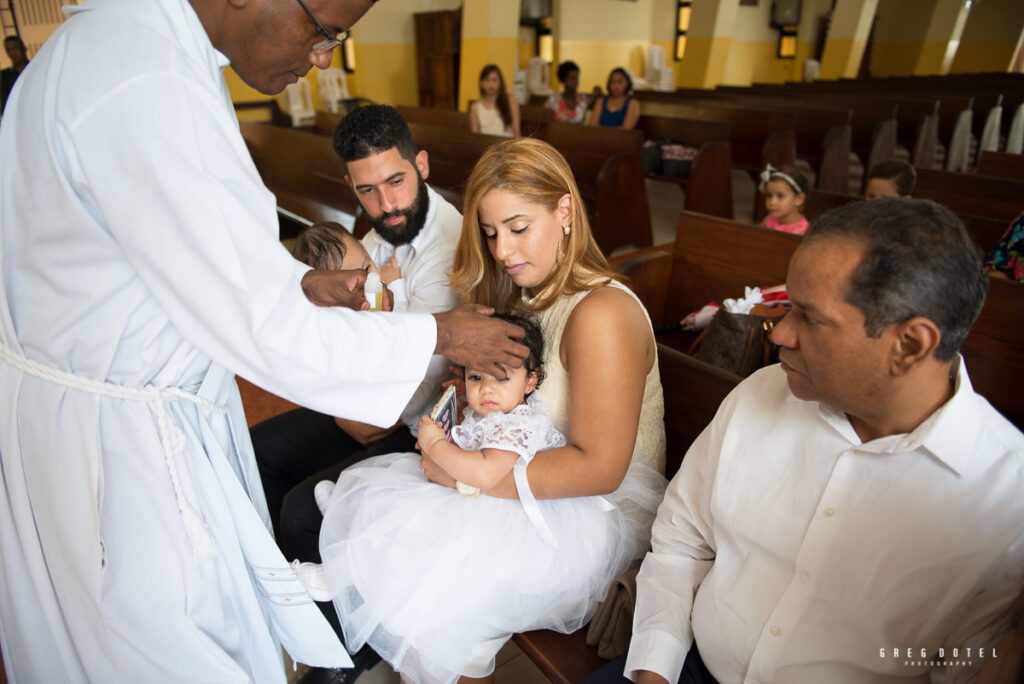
{"x": 171, "y": 437}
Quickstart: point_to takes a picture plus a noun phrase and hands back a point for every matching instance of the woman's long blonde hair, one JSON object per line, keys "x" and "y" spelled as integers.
{"x": 537, "y": 172}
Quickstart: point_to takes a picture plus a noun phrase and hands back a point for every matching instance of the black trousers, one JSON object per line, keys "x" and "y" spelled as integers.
{"x": 295, "y": 451}
{"x": 694, "y": 671}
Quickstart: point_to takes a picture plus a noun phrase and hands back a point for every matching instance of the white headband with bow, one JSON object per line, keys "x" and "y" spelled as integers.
{"x": 771, "y": 173}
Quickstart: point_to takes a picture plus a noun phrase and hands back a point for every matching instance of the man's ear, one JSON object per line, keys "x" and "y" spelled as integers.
{"x": 348, "y": 179}
{"x": 423, "y": 164}
{"x": 915, "y": 340}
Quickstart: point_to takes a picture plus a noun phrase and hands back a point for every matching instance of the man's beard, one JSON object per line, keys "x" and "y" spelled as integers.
{"x": 415, "y": 216}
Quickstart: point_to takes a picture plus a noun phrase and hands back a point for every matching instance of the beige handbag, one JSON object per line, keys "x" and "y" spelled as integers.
{"x": 612, "y": 624}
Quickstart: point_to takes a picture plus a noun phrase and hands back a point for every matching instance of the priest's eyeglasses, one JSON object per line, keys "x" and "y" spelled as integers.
{"x": 330, "y": 40}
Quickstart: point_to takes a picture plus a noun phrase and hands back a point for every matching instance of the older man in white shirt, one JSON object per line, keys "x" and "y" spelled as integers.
{"x": 854, "y": 514}
{"x": 140, "y": 269}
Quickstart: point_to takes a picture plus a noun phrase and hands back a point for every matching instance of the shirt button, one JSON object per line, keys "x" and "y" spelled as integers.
{"x": 776, "y": 631}
{"x": 830, "y": 512}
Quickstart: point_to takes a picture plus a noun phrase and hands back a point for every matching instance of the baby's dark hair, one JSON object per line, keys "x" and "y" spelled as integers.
{"x": 322, "y": 246}
{"x": 534, "y": 340}
{"x": 899, "y": 172}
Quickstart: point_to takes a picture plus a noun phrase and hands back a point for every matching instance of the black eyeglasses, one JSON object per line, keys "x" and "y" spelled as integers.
{"x": 330, "y": 41}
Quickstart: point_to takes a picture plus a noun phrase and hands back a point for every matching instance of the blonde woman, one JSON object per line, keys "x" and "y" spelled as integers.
{"x": 438, "y": 594}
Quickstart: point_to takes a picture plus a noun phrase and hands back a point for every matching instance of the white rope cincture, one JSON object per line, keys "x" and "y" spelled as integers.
{"x": 171, "y": 437}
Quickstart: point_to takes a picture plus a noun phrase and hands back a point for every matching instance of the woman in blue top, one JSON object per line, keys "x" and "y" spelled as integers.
{"x": 617, "y": 109}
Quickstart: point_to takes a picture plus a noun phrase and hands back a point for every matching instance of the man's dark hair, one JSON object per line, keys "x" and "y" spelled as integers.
{"x": 322, "y": 246}
{"x": 15, "y": 39}
{"x": 373, "y": 129}
{"x": 920, "y": 261}
{"x": 566, "y": 68}
{"x": 534, "y": 340}
{"x": 899, "y": 172}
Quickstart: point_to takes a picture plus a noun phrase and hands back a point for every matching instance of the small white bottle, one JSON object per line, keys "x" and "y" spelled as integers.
{"x": 373, "y": 291}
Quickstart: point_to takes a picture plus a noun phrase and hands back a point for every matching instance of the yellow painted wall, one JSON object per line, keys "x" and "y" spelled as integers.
{"x": 754, "y": 47}
{"x": 991, "y": 37}
{"x": 917, "y": 37}
{"x": 848, "y": 34}
{"x": 600, "y": 35}
{"x": 490, "y": 35}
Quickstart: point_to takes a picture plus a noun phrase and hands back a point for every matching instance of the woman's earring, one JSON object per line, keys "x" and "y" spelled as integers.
{"x": 565, "y": 229}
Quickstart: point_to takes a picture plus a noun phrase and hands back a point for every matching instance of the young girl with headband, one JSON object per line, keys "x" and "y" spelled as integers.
{"x": 785, "y": 191}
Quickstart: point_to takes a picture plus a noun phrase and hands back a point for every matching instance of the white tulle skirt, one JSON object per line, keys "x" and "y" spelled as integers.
{"x": 437, "y": 582}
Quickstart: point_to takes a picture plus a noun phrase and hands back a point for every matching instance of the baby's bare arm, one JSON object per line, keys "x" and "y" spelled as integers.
{"x": 483, "y": 469}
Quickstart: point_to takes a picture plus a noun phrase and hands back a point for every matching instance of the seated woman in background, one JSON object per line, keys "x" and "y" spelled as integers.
{"x": 569, "y": 106}
{"x": 617, "y": 109}
{"x": 495, "y": 113}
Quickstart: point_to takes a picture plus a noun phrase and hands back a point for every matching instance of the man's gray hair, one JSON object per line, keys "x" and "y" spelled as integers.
{"x": 920, "y": 261}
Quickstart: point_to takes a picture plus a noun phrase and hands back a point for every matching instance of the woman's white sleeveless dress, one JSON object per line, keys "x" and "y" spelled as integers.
{"x": 436, "y": 582}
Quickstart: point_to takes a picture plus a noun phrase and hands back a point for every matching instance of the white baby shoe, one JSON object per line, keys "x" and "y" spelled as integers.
{"x": 322, "y": 493}
{"x": 314, "y": 579}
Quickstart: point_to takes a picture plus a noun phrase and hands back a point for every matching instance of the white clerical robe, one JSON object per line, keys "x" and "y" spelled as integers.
{"x": 139, "y": 253}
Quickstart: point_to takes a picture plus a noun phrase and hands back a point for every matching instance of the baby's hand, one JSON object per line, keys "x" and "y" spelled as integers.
{"x": 390, "y": 271}
{"x": 430, "y": 433}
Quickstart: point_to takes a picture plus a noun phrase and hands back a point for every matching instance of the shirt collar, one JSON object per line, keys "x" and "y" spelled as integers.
{"x": 949, "y": 433}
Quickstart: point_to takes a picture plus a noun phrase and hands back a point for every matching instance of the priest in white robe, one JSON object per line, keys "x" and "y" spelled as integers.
{"x": 139, "y": 271}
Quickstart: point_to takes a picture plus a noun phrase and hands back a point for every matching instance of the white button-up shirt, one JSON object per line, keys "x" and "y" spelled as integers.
{"x": 423, "y": 286}
{"x": 793, "y": 552}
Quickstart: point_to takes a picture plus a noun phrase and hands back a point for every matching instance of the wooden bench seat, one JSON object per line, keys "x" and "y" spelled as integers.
{"x": 823, "y": 134}
{"x": 986, "y": 232}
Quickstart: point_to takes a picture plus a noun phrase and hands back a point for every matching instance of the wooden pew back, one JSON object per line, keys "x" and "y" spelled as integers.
{"x": 302, "y": 171}
{"x": 823, "y": 134}
{"x": 1001, "y": 165}
{"x": 716, "y": 258}
{"x": 964, "y": 193}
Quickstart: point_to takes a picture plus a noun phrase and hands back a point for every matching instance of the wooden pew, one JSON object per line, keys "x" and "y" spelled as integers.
{"x": 693, "y": 390}
{"x": 708, "y": 185}
{"x": 823, "y": 134}
{"x": 1001, "y": 165}
{"x": 919, "y": 111}
{"x": 756, "y": 137}
{"x": 984, "y": 231}
{"x": 303, "y": 172}
{"x": 977, "y": 195}
{"x": 872, "y": 120}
